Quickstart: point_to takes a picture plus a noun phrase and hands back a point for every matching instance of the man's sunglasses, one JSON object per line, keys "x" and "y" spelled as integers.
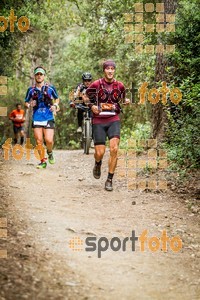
{"x": 39, "y": 74}
{"x": 88, "y": 80}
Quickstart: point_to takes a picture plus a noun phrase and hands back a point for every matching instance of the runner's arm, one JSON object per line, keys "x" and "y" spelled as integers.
{"x": 76, "y": 93}
{"x": 55, "y": 107}
{"x": 92, "y": 93}
{"x": 28, "y": 99}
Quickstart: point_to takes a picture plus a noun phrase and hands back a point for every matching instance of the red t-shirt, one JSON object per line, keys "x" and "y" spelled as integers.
{"x": 106, "y": 95}
{"x": 18, "y": 116}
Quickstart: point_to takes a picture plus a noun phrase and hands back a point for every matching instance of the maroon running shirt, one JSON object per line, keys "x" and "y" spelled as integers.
{"x": 106, "y": 96}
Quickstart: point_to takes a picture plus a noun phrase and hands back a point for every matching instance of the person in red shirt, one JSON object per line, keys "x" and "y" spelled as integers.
{"x": 105, "y": 95}
{"x": 17, "y": 116}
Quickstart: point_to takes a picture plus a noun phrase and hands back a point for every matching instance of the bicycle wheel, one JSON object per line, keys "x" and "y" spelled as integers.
{"x": 87, "y": 136}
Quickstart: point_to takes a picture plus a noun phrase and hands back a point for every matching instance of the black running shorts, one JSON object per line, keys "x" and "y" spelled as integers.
{"x": 101, "y": 131}
{"x": 46, "y": 125}
{"x": 17, "y": 129}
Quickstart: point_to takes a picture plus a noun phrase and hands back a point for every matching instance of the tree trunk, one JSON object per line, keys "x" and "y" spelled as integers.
{"x": 29, "y": 111}
{"x": 159, "y": 117}
{"x": 50, "y": 59}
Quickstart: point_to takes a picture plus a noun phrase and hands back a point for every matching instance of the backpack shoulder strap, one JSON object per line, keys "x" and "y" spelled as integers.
{"x": 33, "y": 90}
{"x": 116, "y": 84}
{"x": 101, "y": 83}
{"x": 46, "y": 87}
{"x": 82, "y": 87}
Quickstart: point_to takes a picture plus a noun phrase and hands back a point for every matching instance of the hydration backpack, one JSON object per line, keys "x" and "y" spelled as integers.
{"x": 45, "y": 97}
{"x": 109, "y": 96}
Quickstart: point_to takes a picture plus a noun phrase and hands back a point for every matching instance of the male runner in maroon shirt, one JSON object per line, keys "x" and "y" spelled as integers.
{"x": 105, "y": 95}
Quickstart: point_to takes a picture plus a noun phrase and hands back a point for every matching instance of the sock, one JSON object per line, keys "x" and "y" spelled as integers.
{"x": 110, "y": 176}
{"x": 98, "y": 163}
{"x": 22, "y": 140}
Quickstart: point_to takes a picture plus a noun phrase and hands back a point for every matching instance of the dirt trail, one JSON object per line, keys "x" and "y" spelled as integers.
{"x": 48, "y": 208}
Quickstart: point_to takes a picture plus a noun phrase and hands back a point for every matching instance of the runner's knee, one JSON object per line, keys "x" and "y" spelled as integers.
{"x": 99, "y": 152}
{"x": 113, "y": 150}
{"x": 48, "y": 141}
{"x": 39, "y": 141}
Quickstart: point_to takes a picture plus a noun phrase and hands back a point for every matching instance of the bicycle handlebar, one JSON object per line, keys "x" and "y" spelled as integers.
{"x": 81, "y": 106}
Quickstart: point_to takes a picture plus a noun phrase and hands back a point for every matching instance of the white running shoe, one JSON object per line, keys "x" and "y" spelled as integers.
{"x": 79, "y": 129}
{"x": 92, "y": 144}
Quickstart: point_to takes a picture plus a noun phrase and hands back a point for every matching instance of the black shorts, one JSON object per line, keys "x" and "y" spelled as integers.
{"x": 101, "y": 131}
{"x": 17, "y": 129}
{"x": 50, "y": 125}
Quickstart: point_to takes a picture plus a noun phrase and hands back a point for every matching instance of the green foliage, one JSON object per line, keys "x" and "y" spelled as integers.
{"x": 70, "y": 37}
{"x": 183, "y": 132}
{"x": 137, "y": 132}
{"x": 186, "y": 61}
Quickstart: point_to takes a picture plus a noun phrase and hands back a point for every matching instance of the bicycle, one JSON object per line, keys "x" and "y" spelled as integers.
{"x": 86, "y": 128}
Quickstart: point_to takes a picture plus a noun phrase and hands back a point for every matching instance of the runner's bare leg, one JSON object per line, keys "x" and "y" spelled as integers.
{"x": 112, "y": 163}
{"x": 38, "y": 134}
{"x": 99, "y": 152}
{"x": 48, "y": 137}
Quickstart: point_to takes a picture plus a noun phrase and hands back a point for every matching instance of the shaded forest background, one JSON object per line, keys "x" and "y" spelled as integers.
{"x": 70, "y": 37}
